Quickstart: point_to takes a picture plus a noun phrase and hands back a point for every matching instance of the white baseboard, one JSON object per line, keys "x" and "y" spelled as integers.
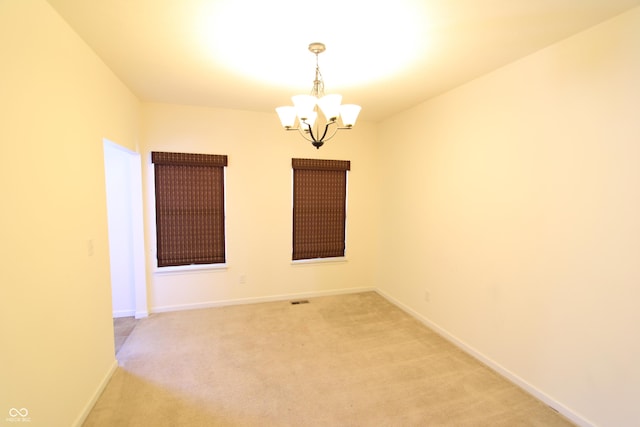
{"x": 130, "y": 313}
{"x": 271, "y": 298}
{"x": 123, "y": 313}
{"x": 555, "y": 405}
{"x": 94, "y": 398}
{"x": 141, "y": 314}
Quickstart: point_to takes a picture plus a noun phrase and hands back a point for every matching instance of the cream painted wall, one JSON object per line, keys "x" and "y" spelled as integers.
{"x": 258, "y": 206}
{"x": 517, "y": 207}
{"x": 57, "y": 103}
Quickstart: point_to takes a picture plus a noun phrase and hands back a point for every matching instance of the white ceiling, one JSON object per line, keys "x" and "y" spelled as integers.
{"x": 384, "y": 55}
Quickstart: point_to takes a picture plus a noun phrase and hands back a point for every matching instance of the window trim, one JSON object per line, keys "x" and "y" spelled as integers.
{"x": 193, "y": 268}
{"x": 331, "y": 260}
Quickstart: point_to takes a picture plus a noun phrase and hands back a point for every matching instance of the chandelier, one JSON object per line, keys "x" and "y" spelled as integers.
{"x": 305, "y": 109}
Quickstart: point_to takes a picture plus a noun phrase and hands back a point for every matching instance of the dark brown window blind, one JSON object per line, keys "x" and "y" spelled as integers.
{"x": 319, "y": 208}
{"x": 189, "y": 208}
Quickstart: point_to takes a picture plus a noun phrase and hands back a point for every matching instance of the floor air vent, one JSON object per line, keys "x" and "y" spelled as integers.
{"x": 301, "y": 301}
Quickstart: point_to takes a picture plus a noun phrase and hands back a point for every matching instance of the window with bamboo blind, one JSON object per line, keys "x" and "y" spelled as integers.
{"x": 319, "y": 208}
{"x": 189, "y": 191}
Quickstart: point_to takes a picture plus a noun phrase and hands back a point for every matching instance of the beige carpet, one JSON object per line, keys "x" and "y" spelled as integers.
{"x": 348, "y": 360}
{"x": 122, "y": 328}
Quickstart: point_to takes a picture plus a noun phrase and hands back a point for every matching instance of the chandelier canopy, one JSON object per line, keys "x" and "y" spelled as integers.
{"x": 305, "y": 109}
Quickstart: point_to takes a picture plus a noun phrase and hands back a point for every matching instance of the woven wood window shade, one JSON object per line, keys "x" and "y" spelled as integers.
{"x": 189, "y": 208}
{"x": 319, "y": 208}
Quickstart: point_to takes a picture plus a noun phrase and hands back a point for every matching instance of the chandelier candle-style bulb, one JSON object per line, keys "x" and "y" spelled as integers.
{"x": 306, "y": 107}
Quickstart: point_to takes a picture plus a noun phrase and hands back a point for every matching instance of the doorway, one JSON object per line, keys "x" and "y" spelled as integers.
{"x": 123, "y": 180}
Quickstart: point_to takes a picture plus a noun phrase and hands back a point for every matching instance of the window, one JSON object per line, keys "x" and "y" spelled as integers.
{"x": 189, "y": 208}
{"x": 319, "y": 208}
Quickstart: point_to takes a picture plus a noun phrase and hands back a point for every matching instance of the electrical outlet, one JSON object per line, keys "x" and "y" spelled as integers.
{"x": 243, "y": 279}
{"x": 427, "y": 296}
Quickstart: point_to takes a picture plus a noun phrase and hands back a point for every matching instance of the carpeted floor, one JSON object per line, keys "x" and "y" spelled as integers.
{"x": 122, "y": 328}
{"x": 348, "y": 360}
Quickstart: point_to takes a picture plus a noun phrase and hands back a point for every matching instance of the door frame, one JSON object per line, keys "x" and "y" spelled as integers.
{"x": 137, "y": 226}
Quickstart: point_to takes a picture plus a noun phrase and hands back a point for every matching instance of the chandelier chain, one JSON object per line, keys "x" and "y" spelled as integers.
{"x": 318, "y": 83}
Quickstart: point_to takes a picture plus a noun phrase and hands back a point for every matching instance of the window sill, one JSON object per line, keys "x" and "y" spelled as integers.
{"x": 318, "y": 261}
{"x": 189, "y": 268}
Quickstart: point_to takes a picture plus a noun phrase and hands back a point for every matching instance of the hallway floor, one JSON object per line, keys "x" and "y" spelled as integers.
{"x": 122, "y": 328}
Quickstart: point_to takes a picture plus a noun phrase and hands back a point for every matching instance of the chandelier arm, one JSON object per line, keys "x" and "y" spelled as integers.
{"x": 309, "y": 130}
{"x": 326, "y": 128}
{"x": 335, "y": 131}
{"x": 317, "y": 142}
{"x": 306, "y": 133}
{"x": 301, "y": 131}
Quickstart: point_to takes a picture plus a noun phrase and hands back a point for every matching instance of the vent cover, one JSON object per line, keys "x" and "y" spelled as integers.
{"x": 300, "y": 301}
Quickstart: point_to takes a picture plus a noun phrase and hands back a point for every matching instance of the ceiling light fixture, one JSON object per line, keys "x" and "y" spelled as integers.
{"x": 305, "y": 108}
